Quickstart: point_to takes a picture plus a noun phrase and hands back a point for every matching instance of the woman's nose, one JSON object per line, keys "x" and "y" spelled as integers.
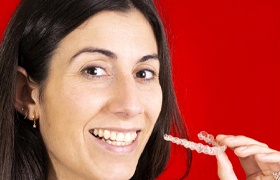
{"x": 126, "y": 99}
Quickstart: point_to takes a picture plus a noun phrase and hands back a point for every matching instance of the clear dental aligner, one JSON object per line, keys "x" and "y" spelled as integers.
{"x": 200, "y": 148}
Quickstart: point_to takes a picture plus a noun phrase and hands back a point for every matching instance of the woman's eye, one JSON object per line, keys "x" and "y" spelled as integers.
{"x": 145, "y": 74}
{"x": 94, "y": 71}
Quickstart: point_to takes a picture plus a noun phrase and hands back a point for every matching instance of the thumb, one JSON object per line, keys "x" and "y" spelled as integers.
{"x": 225, "y": 170}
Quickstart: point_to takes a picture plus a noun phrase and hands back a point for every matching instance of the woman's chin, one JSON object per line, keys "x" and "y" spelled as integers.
{"x": 119, "y": 174}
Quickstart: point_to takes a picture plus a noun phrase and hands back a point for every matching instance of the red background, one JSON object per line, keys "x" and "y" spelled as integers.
{"x": 226, "y": 64}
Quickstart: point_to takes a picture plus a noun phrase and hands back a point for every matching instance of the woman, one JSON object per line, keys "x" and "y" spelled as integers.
{"x": 86, "y": 93}
{"x": 97, "y": 75}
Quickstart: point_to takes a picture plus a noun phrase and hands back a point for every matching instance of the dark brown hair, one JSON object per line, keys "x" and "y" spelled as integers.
{"x": 30, "y": 39}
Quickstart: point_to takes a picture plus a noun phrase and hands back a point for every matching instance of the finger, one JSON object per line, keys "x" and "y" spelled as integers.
{"x": 225, "y": 170}
{"x": 273, "y": 157}
{"x": 220, "y": 137}
{"x": 236, "y": 141}
{"x": 251, "y": 150}
{"x": 271, "y": 161}
{"x": 250, "y": 163}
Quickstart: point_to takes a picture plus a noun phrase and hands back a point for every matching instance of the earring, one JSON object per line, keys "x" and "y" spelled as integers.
{"x": 26, "y": 114}
{"x": 34, "y": 120}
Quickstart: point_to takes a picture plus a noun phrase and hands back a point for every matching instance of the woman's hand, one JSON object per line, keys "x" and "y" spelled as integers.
{"x": 257, "y": 159}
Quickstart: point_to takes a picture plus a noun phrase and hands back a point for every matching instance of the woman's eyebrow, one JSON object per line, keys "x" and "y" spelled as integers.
{"x": 110, "y": 54}
{"x": 105, "y": 52}
{"x": 149, "y": 57}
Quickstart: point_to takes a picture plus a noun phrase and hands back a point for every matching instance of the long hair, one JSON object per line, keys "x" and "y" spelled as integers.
{"x": 31, "y": 37}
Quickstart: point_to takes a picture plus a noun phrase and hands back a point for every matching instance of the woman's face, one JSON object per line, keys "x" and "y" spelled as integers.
{"x": 102, "y": 98}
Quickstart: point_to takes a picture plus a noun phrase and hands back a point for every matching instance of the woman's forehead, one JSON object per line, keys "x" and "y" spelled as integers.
{"x": 116, "y": 31}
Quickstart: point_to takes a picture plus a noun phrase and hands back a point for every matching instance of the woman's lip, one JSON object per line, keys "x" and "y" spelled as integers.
{"x": 117, "y": 149}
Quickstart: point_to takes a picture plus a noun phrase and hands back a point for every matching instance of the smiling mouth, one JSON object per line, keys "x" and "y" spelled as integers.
{"x": 115, "y": 138}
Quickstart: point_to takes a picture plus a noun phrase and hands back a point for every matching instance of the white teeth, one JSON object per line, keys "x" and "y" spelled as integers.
{"x": 108, "y": 141}
{"x": 106, "y": 134}
{"x": 115, "y": 138}
{"x": 100, "y": 133}
{"x": 127, "y": 137}
{"x": 95, "y": 132}
{"x": 133, "y": 135}
{"x": 120, "y": 137}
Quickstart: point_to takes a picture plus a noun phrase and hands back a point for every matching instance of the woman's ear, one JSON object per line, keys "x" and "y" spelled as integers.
{"x": 27, "y": 95}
